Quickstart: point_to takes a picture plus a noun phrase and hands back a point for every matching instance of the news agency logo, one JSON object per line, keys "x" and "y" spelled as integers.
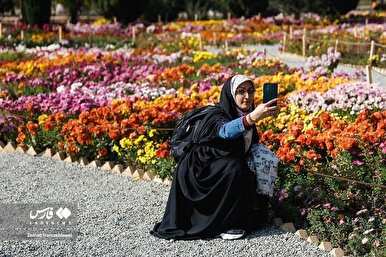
{"x": 48, "y": 213}
{"x": 45, "y": 216}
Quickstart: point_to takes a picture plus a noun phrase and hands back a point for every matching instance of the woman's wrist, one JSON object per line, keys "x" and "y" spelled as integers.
{"x": 250, "y": 120}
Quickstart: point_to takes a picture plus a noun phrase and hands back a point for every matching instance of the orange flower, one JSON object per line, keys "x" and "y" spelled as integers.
{"x": 20, "y": 137}
{"x": 312, "y": 155}
{"x": 141, "y": 130}
{"x": 102, "y": 152}
{"x": 60, "y": 145}
{"x": 32, "y": 128}
{"x": 114, "y": 134}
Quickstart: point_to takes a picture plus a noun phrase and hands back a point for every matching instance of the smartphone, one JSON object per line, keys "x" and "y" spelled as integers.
{"x": 270, "y": 91}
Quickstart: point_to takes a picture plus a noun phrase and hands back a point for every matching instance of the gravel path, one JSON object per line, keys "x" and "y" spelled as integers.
{"x": 115, "y": 215}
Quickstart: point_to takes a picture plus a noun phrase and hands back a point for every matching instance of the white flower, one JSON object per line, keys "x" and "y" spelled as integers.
{"x": 75, "y": 86}
{"x": 365, "y": 240}
{"x": 368, "y": 231}
{"x": 61, "y": 89}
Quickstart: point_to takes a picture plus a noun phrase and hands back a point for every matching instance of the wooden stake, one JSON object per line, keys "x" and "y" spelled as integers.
{"x": 159, "y": 18}
{"x": 304, "y": 42}
{"x": 371, "y": 49}
{"x": 133, "y": 33}
{"x": 336, "y": 46}
{"x": 356, "y": 31}
{"x": 1, "y": 30}
{"x": 199, "y": 42}
{"x": 291, "y": 32}
{"x": 226, "y": 45}
{"x": 115, "y": 20}
{"x": 366, "y": 31}
{"x": 60, "y": 33}
{"x": 284, "y": 41}
{"x": 229, "y": 16}
{"x": 368, "y": 74}
{"x": 22, "y": 35}
{"x": 196, "y": 17}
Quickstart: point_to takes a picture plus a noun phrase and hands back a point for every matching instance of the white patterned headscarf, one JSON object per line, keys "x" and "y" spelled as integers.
{"x": 236, "y": 81}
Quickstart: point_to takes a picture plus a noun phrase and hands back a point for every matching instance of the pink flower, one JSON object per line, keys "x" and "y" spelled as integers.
{"x": 377, "y": 243}
{"x": 361, "y": 212}
{"x": 352, "y": 236}
{"x": 365, "y": 240}
{"x": 357, "y": 163}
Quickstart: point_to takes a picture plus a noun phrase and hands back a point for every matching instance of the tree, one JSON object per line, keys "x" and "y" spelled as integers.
{"x": 167, "y": 9}
{"x": 124, "y": 10}
{"x": 73, "y": 7}
{"x": 195, "y": 8}
{"x": 36, "y": 12}
{"x": 6, "y": 6}
{"x": 330, "y": 8}
{"x": 248, "y": 8}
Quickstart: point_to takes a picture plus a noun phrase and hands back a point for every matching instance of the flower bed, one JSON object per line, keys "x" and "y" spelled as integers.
{"x": 119, "y": 104}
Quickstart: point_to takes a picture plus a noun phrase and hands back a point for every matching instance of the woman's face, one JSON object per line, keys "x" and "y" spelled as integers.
{"x": 244, "y": 96}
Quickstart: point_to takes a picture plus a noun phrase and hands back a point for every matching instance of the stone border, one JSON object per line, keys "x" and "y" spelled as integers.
{"x": 129, "y": 171}
{"x": 138, "y": 174}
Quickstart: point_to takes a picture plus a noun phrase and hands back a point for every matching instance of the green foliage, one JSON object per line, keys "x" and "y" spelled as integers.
{"x": 167, "y": 9}
{"x": 125, "y": 11}
{"x": 164, "y": 167}
{"x": 6, "y": 6}
{"x": 73, "y": 7}
{"x": 350, "y": 215}
{"x": 323, "y": 7}
{"x": 13, "y": 56}
{"x": 247, "y": 8}
{"x": 37, "y": 12}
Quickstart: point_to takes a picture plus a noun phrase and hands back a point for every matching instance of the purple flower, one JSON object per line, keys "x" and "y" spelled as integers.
{"x": 282, "y": 194}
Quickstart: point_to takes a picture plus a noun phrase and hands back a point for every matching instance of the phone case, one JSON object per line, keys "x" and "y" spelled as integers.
{"x": 269, "y": 91}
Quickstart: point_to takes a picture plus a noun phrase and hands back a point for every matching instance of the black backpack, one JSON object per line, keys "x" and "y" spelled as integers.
{"x": 185, "y": 131}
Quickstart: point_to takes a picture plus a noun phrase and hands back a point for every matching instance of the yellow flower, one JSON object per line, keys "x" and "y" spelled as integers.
{"x": 125, "y": 143}
{"x": 139, "y": 139}
{"x": 42, "y": 119}
{"x": 152, "y": 132}
{"x": 116, "y": 149}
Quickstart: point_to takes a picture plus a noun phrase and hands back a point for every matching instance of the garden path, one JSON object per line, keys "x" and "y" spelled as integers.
{"x": 115, "y": 214}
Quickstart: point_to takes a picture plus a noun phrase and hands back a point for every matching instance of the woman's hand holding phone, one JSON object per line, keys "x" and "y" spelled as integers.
{"x": 264, "y": 110}
{"x": 269, "y": 107}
